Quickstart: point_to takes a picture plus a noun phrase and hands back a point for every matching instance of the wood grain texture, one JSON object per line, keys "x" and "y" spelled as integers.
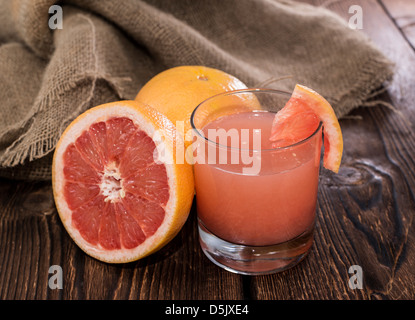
{"x": 365, "y": 214}
{"x": 403, "y": 14}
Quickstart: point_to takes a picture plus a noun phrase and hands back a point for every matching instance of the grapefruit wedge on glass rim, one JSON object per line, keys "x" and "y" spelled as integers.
{"x": 117, "y": 197}
{"x": 299, "y": 118}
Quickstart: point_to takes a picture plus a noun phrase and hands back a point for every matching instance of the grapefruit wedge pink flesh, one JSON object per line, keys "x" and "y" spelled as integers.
{"x": 299, "y": 119}
{"x": 295, "y": 122}
{"x": 116, "y": 192}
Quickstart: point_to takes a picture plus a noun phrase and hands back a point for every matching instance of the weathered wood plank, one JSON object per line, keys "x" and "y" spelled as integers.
{"x": 403, "y": 13}
{"x": 25, "y": 239}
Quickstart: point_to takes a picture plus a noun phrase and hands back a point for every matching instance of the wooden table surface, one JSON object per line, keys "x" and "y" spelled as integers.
{"x": 365, "y": 214}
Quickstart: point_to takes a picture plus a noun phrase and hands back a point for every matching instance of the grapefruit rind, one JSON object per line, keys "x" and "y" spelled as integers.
{"x": 180, "y": 178}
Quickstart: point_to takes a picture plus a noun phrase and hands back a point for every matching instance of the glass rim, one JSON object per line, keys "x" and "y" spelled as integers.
{"x": 252, "y": 90}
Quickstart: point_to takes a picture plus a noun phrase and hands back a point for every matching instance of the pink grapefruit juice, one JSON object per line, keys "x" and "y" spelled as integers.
{"x": 270, "y": 205}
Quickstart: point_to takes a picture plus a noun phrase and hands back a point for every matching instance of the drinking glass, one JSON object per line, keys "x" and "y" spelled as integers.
{"x": 255, "y": 203}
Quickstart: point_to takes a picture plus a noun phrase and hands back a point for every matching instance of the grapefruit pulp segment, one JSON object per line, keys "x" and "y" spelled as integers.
{"x": 98, "y": 134}
{"x": 119, "y": 131}
{"x": 149, "y": 215}
{"x": 140, "y": 155}
{"x": 150, "y": 183}
{"x": 78, "y": 193}
{"x": 89, "y": 152}
{"x": 131, "y": 233}
{"x": 87, "y": 219}
{"x": 77, "y": 169}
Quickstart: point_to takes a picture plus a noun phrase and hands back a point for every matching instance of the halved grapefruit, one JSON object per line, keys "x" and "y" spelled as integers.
{"x": 299, "y": 119}
{"x": 118, "y": 201}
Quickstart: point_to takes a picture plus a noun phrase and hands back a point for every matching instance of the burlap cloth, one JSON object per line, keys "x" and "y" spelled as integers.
{"x": 108, "y": 49}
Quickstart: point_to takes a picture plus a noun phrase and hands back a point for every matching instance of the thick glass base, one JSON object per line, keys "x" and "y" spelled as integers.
{"x": 255, "y": 260}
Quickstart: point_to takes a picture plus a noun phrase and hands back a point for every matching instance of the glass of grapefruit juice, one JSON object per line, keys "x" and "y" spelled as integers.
{"x": 256, "y": 203}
